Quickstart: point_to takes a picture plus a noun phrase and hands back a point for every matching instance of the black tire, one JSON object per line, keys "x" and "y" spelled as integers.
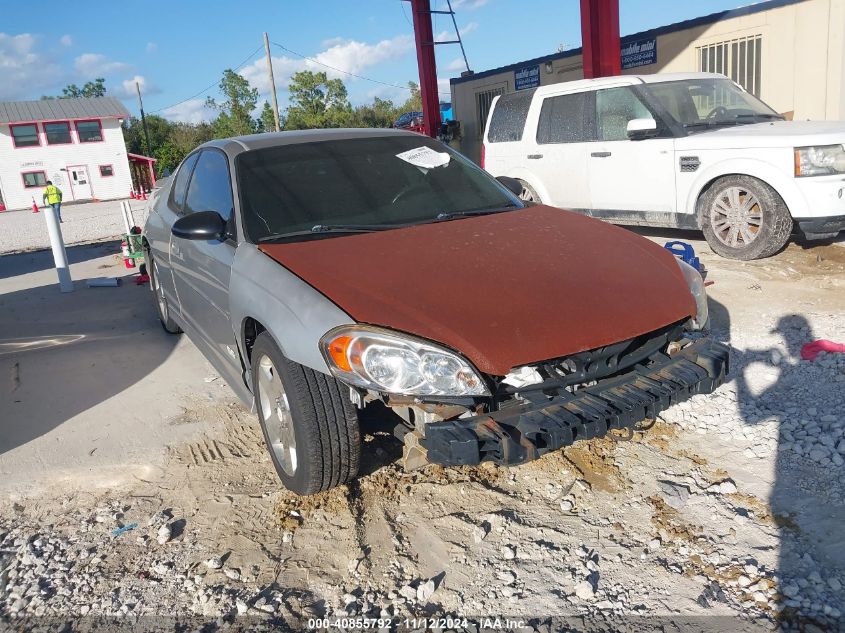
{"x": 325, "y": 423}
{"x": 726, "y": 234}
{"x": 529, "y": 194}
{"x": 160, "y": 301}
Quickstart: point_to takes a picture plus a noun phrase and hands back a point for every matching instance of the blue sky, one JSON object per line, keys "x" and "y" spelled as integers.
{"x": 182, "y": 50}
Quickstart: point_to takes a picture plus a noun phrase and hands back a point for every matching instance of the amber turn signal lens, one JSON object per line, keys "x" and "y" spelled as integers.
{"x": 337, "y": 352}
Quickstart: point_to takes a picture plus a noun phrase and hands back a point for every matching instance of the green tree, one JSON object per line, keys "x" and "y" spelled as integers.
{"x": 235, "y": 113}
{"x": 317, "y": 102}
{"x": 96, "y": 88}
{"x": 414, "y": 102}
{"x": 381, "y": 113}
{"x": 159, "y": 128}
{"x": 267, "y": 122}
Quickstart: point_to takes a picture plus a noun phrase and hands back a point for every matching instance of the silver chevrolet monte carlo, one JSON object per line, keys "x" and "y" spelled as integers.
{"x": 324, "y": 272}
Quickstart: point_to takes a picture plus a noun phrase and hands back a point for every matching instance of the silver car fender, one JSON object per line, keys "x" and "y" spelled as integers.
{"x": 292, "y": 311}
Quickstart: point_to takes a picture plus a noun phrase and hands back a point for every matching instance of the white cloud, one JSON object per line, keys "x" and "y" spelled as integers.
{"x": 152, "y": 47}
{"x": 66, "y": 40}
{"x": 23, "y": 71}
{"x": 91, "y": 65}
{"x": 349, "y": 55}
{"x": 191, "y": 111}
{"x": 448, "y": 36}
{"x": 457, "y": 65}
{"x": 126, "y": 88}
{"x": 444, "y": 89}
{"x": 468, "y": 5}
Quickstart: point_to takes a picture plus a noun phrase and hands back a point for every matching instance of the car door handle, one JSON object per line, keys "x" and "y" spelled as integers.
{"x": 534, "y": 156}
{"x": 600, "y": 154}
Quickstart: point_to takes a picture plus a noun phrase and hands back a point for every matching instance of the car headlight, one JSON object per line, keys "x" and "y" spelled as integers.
{"x": 819, "y": 160}
{"x": 392, "y": 362}
{"x": 696, "y": 287}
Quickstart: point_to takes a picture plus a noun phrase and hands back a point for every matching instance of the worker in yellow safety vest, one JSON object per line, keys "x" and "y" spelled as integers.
{"x": 53, "y": 197}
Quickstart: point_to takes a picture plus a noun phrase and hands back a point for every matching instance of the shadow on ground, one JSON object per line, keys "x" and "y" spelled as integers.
{"x": 62, "y": 354}
{"x": 34, "y": 261}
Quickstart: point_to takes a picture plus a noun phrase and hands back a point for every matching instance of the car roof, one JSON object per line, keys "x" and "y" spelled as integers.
{"x": 599, "y": 82}
{"x": 238, "y": 144}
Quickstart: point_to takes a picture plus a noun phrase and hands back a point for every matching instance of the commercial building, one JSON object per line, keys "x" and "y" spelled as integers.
{"x": 76, "y": 143}
{"x": 790, "y": 53}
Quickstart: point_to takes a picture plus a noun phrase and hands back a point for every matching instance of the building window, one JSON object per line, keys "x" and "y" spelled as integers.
{"x": 89, "y": 131}
{"x": 106, "y": 171}
{"x": 739, "y": 59}
{"x": 57, "y": 133}
{"x": 34, "y": 179}
{"x": 483, "y": 100}
{"x": 25, "y": 135}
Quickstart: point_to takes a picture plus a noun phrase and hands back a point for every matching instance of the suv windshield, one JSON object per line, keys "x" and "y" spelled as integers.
{"x": 699, "y": 104}
{"x": 361, "y": 183}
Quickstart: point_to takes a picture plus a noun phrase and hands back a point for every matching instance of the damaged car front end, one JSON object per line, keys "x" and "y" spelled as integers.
{"x": 452, "y": 414}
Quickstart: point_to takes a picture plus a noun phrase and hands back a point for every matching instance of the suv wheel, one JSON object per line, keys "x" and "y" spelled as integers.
{"x": 744, "y": 218}
{"x": 163, "y": 309}
{"x": 309, "y": 423}
{"x": 529, "y": 194}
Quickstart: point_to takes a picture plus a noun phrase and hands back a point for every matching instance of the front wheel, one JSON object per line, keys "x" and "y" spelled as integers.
{"x": 529, "y": 194}
{"x": 744, "y": 218}
{"x": 309, "y": 423}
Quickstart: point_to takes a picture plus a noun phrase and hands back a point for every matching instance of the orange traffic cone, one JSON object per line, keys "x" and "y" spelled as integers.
{"x": 132, "y": 193}
{"x": 143, "y": 195}
{"x": 34, "y": 206}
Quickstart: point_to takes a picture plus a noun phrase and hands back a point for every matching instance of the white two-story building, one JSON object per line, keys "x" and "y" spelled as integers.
{"x": 76, "y": 143}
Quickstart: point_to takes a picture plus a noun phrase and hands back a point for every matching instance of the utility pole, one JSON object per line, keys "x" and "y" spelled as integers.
{"x": 143, "y": 119}
{"x": 272, "y": 81}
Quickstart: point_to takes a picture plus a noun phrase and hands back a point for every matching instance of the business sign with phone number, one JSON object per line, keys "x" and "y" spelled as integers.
{"x": 641, "y": 53}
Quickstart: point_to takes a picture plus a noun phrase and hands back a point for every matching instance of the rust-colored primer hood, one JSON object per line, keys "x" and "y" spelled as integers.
{"x": 503, "y": 290}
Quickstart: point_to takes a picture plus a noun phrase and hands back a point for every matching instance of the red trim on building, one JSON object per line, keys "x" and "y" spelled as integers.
{"x": 39, "y": 171}
{"x": 44, "y": 125}
{"x": 99, "y": 122}
{"x": 37, "y": 134}
{"x": 102, "y": 175}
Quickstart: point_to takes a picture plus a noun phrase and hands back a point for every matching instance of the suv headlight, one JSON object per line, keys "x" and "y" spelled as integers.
{"x": 392, "y": 362}
{"x": 696, "y": 287}
{"x": 819, "y": 160}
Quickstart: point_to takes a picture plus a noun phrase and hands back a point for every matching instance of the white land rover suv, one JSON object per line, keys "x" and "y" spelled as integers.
{"x": 691, "y": 150}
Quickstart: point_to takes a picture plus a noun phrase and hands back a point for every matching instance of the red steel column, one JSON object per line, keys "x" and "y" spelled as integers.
{"x": 421, "y": 10}
{"x": 600, "y": 38}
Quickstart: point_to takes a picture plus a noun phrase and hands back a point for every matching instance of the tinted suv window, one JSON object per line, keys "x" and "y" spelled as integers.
{"x": 210, "y": 187}
{"x": 614, "y": 108}
{"x": 508, "y": 118}
{"x": 565, "y": 119}
{"x": 180, "y": 186}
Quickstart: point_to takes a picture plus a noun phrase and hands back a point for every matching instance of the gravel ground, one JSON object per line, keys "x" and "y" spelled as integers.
{"x": 726, "y": 514}
{"x": 85, "y": 222}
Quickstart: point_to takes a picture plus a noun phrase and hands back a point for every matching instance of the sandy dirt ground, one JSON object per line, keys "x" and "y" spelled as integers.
{"x": 152, "y": 495}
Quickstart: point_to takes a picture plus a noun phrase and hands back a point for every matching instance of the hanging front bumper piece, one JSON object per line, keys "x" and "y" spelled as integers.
{"x": 522, "y": 432}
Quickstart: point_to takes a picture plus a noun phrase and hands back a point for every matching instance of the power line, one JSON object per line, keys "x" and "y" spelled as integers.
{"x": 346, "y": 72}
{"x": 204, "y": 90}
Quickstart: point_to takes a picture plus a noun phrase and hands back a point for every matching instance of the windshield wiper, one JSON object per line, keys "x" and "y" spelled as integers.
{"x": 448, "y": 215}
{"x": 735, "y": 120}
{"x": 760, "y": 115}
{"x": 332, "y": 228}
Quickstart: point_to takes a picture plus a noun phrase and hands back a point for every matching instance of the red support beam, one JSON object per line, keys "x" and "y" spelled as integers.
{"x": 600, "y": 38}
{"x": 421, "y": 10}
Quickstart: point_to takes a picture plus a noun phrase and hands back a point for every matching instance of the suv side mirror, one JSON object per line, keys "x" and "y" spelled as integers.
{"x": 203, "y": 225}
{"x": 638, "y": 129}
{"x": 511, "y": 184}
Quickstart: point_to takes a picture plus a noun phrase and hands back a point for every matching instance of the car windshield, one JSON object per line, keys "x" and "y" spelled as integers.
{"x": 699, "y": 104}
{"x": 360, "y": 183}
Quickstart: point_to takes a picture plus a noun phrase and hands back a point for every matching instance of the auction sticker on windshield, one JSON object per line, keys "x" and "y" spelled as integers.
{"x": 425, "y": 158}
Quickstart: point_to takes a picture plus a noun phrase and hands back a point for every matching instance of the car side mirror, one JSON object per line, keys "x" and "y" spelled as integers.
{"x": 639, "y": 129}
{"x": 511, "y": 184}
{"x": 203, "y": 225}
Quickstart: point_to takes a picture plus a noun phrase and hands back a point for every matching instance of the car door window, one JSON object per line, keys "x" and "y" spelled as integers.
{"x": 614, "y": 108}
{"x": 565, "y": 119}
{"x": 211, "y": 188}
{"x": 180, "y": 186}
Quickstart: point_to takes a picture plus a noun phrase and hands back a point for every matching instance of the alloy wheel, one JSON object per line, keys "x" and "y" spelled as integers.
{"x": 275, "y": 411}
{"x": 736, "y": 217}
